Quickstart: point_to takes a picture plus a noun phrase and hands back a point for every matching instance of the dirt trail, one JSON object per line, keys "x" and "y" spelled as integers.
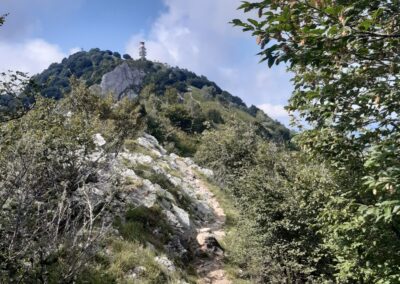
{"x": 209, "y": 256}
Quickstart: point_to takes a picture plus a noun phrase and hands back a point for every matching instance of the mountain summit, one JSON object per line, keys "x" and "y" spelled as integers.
{"x": 171, "y": 95}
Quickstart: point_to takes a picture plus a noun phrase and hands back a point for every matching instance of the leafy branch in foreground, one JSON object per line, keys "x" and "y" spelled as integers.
{"x": 345, "y": 57}
{"x": 3, "y": 19}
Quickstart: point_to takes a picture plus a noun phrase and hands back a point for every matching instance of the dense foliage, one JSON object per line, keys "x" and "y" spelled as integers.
{"x": 89, "y": 66}
{"x": 280, "y": 196}
{"x": 50, "y": 225}
{"x": 183, "y": 99}
{"x": 345, "y": 56}
{"x": 53, "y": 224}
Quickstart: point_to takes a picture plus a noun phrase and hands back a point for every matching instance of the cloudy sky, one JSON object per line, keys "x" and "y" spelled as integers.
{"x": 193, "y": 34}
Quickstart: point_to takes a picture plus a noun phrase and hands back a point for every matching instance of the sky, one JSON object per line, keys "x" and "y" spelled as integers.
{"x": 192, "y": 34}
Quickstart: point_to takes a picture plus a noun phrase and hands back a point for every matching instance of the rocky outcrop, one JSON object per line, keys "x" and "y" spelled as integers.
{"x": 165, "y": 184}
{"x": 123, "y": 81}
{"x": 152, "y": 178}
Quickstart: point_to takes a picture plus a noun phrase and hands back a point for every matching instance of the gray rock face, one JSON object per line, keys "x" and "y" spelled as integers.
{"x": 182, "y": 208}
{"x": 176, "y": 249}
{"x": 164, "y": 261}
{"x": 123, "y": 81}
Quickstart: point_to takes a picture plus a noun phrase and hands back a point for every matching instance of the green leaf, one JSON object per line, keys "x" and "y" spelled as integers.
{"x": 237, "y": 22}
{"x": 271, "y": 61}
{"x": 253, "y": 22}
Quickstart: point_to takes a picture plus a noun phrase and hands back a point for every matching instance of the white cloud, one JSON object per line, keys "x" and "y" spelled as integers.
{"x": 30, "y": 56}
{"x": 275, "y": 111}
{"x": 197, "y": 35}
{"x": 20, "y": 47}
{"x": 190, "y": 34}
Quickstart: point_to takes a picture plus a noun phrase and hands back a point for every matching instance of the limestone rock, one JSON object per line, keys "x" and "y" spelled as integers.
{"x": 137, "y": 158}
{"x": 99, "y": 140}
{"x": 208, "y": 243}
{"x": 182, "y": 216}
{"x": 177, "y": 249}
{"x": 164, "y": 261}
{"x": 184, "y": 207}
{"x": 123, "y": 81}
{"x": 151, "y": 143}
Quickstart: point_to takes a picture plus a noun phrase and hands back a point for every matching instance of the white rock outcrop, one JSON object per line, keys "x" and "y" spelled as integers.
{"x": 183, "y": 204}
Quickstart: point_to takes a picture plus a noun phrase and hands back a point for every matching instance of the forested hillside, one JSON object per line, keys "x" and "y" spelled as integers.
{"x": 115, "y": 170}
{"x": 180, "y": 104}
{"x": 117, "y": 205}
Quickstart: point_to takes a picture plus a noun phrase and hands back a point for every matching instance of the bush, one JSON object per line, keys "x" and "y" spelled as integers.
{"x": 156, "y": 128}
{"x": 180, "y": 117}
{"x": 215, "y": 116}
{"x": 139, "y": 224}
{"x": 281, "y": 196}
{"x": 127, "y": 57}
{"x": 46, "y": 212}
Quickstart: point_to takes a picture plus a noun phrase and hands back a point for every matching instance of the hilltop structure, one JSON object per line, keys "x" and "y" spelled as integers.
{"x": 142, "y": 51}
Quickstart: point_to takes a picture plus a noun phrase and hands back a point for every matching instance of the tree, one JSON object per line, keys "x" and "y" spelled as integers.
{"x": 51, "y": 222}
{"x": 17, "y": 92}
{"x": 180, "y": 117}
{"x": 127, "y": 57}
{"x": 171, "y": 95}
{"x": 215, "y": 116}
{"x": 345, "y": 56}
{"x": 117, "y": 54}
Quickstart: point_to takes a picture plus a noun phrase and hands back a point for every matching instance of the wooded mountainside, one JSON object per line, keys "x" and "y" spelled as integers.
{"x": 115, "y": 170}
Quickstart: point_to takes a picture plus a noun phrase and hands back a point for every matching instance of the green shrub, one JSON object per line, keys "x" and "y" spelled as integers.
{"x": 139, "y": 224}
{"x": 47, "y": 145}
{"x": 280, "y": 196}
{"x": 215, "y": 116}
{"x": 93, "y": 275}
{"x": 180, "y": 117}
{"x": 156, "y": 128}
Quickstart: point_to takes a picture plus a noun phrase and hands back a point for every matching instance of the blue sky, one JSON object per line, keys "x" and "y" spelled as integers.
{"x": 194, "y": 34}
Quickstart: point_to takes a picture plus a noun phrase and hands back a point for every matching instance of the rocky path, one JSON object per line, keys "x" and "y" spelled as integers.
{"x": 209, "y": 254}
{"x": 198, "y": 225}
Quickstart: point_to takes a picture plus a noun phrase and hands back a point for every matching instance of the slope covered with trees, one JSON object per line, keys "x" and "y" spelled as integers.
{"x": 82, "y": 200}
{"x": 180, "y": 104}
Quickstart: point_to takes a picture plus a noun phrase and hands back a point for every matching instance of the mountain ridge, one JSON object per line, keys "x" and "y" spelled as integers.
{"x": 172, "y": 96}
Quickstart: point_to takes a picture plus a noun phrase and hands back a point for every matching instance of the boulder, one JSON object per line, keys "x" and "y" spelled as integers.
{"x": 208, "y": 243}
{"x": 182, "y": 216}
{"x": 164, "y": 261}
{"x": 123, "y": 81}
{"x": 136, "y": 158}
{"x": 99, "y": 140}
{"x": 176, "y": 249}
